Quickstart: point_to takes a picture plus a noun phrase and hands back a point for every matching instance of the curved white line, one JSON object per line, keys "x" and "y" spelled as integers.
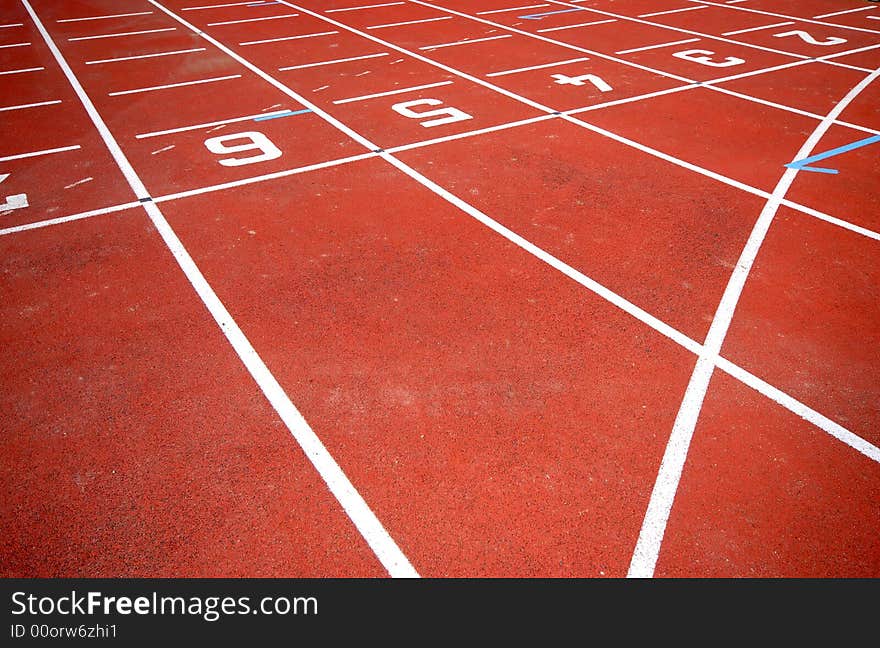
{"x": 647, "y": 548}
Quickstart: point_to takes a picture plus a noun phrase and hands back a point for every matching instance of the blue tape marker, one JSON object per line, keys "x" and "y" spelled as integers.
{"x": 288, "y": 113}
{"x": 550, "y": 13}
{"x": 801, "y": 165}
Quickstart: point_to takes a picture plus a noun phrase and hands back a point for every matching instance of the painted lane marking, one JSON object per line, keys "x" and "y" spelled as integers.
{"x": 464, "y": 42}
{"x": 392, "y": 92}
{"x": 125, "y": 15}
{"x": 358, "y": 511}
{"x": 801, "y": 165}
{"x": 174, "y": 85}
{"x": 13, "y": 202}
{"x": 162, "y": 150}
{"x": 248, "y": 20}
{"x": 539, "y": 16}
{"x": 787, "y": 17}
{"x": 287, "y": 38}
{"x": 12, "y": 25}
{"x": 79, "y": 182}
{"x": 537, "y": 67}
{"x": 873, "y": 17}
{"x": 134, "y": 33}
{"x": 35, "y": 69}
{"x": 183, "y": 129}
{"x": 30, "y": 105}
{"x": 754, "y": 29}
{"x": 410, "y": 22}
{"x": 647, "y": 551}
{"x": 586, "y": 24}
{"x": 658, "y": 45}
{"x": 498, "y": 11}
{"x": 67, "y": 219}
{"x": 343, "y": 60}
{"x": 278, "y": 115}
{"x": 600, "y": 83}
{"x": 145, "y": 56}
{"x": 15, "y": 45}
{"x": 840, "y": 13}
{"x": 386, "y": 4}
{"x": 216, "y": 6}
{"x": 21, "y": 156}
{"x": 671, "y": 11}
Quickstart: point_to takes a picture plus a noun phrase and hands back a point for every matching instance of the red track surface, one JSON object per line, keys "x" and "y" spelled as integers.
{"x": 589, "y": 324}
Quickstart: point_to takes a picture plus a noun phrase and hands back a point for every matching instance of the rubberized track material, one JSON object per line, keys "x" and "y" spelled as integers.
{"x": 446, "y": 288}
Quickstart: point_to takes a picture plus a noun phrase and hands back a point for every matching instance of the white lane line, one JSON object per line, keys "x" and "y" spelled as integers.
{"x": 174, "y": 85}
{"x": 31, "y": 105}
{"x": 12, "y": 25}
{"x": 374, "y": 6}
{"x": 465, "y": 42}
{"x": 349, "y": 498}
{"x": 393, "y": 92}
{"x": 79, "y": 182}
{"x": 498, "y": 11}
{"x": 410, "y": 22}
{"x": 343, "y": 60}
{"x": 249, "y": 20}
{"x": 647, "y": 549}
{"x": 35, "y": 69}
{"x": 21, "y": 156}
{"x": 671, "y": 11}
{"x": 754, "y": 29}
{"x": 162, "y": 150}
{"x": 537, "y": 67}
{"x": 657, "y": 46}
{"x": 183, "y": 129}
{"x": 145, "y": 56}
{"x": 218, "y": 6}
{"x": 67, "y": 219}
{"x": 586, "y": 24}
{"x": 873, "y": 17}
{"x": 786, "y": 16}
{"x": 125, "y": 15}
{"x": 840, "y": 13}
{"x": 287, "y": 38}
{"x": 15, "y": 45}
{"x": 807, "y": 413}
{"x": 117, "y": 35}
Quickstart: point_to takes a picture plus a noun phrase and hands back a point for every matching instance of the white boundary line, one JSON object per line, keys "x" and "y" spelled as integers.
{"x": 754, "y": 29}
{"x": 647, "y": 550}
{"x": 374, "y": 6}
{"x": 498, "y": 11}
{"x": 670, "y": 11}
{"x": 145, "y": 56}
{"x": 287, "y": 38}
{"x": 657, "y": 46}
{"x": 250, "y": 20}
{"x": 22, "y": 156}
{"x": 219, "y": 6}
{"x": 786, "y": 16}
{"x": 15, "y": 45}
{"x": 125, "y": 15}
{"x": 465, "y": 42}
{"x": 342, "y": 60}
{"x": 67, "y": 219}
{"x": 174, "y": 85}
{"x": 410, "y": 22}
{"x": 117, "y": 35}
{"x": 840, "y": 13}
{"x": 586, "y": 24}
{"x": 537, "y": 67}
{"x": 220, "y": 122}
{"x": 35, "y": 69}
{"x": 357, "y": 509}
{"x": 30, "y": 105}
{"x": 393, "y": 92}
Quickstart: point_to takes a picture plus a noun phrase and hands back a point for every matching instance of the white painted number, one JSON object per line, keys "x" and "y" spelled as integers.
{"x": 449, "y": 115}
{"x": 561, "y": 79}
{"x": 807, "y": 38}
{"x": 18, "y": 201}
{"x": 704, "y": 57}
{"x": 258, "y": 142}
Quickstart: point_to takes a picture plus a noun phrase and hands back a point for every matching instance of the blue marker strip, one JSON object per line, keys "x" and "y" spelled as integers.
{"x": 801, "y": 165}
{"x": 289, "y": 113}
{"x": 550, "y": 13}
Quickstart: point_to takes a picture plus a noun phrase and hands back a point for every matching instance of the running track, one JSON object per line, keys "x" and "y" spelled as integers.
{"x": 440, "y": 288}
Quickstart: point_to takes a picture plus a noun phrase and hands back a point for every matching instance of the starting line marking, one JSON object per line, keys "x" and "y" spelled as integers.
{"x": 208, "y": 125}
{"x": 658, "y": 45}
{"x": 21, "y": 156}
{"x": 145, "y": 56}
{"x": 801, "y": 165}
{"x": 15, "y": 45}
{"x": 31, "y": 105}
{"x": 134, "y": 33}
{"x": 671, "y": 11}
{"x": 286, "y": 38}
{"x": 174, "y": 85}
{"x": 36, "y": 69}
{"x": 497, "y": 11}
{"x": 465, "y": 42}
{"x": 247, "y": 20}
{"x": 386, "y": 4}
{"x": 125, "y": 15}
{"x": 217, "y": 6}
{"x": 586, "y": 24}
{"x": 393, "y": 92}
{"x": 343, "y": 60}
{"x": 410, "y": 22}
{"x": 754, "y": 29}
{"x": 538, "y": 67}
{"x": 840, "y": 13}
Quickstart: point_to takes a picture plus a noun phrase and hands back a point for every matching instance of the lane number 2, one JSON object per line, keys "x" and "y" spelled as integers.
{"x": 252, "y": 141}
{"x": 447, "y": 115}
{"x": 807, "y": 38}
